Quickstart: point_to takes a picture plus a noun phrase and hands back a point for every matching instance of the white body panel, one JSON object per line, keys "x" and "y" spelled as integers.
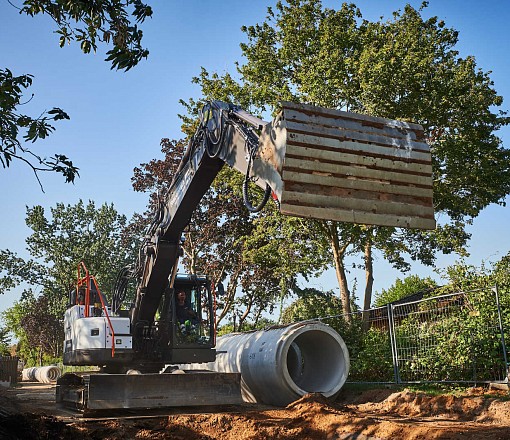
{"x": 93, "y": 332}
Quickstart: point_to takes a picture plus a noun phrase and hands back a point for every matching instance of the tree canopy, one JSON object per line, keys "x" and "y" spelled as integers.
{"x": 407, "y": 68}
{"x": 311, "y": 304}
{"x": 402, "y": 288}
{"x": 111, "y": 23}
{"x": 5, "y": 340}
{"x": 13, "y": 122}
{"x": 59, "y": 241}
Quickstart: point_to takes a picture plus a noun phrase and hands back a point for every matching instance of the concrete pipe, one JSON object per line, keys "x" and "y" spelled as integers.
{"x": 41, "y": 374}
{"x": 47, "y": 374}
{"x": 28, "y": 374}
{"x": 280, "y": 365}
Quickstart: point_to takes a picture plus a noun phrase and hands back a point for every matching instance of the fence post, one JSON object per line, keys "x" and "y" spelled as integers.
{"x": 501, "y": 329}
{"x": 9, "y": 369}
{"x": 393, "y": 343}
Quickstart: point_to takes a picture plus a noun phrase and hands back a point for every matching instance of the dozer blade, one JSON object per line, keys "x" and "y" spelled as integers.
{"x": 335, "y": 165}
{"x": 123, "y": 391}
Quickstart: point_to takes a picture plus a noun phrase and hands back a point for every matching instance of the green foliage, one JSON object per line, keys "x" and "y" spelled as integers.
{"x": 371, "y": 358}
{"x": 247, "y": 326}
{"x": 311, "y": 304}
{"x": 90, "y": 23}
{"x": 441, "y": 389}
{"x": 57, "y": 244}
{"x": 13, "y": 317}
{"x": 225, "y": 329}
{"x": 462, "y": 277}
{"x": 454, "y": 338}
{"x": 403, "y": 288}
{"x": 60, "y": 241}
{"x": 405, "y": 68}
{"x": 5, "y": 341}
{"x": 87, "y": 23}
{"x": 37, "y": 326}
{"x": 14, "y": 124}
{"x": 409, "y": 69}
{"x": 458, "y": 339}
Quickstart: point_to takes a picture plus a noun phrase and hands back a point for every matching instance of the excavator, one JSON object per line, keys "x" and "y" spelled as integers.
{"x": 313, "y": 162}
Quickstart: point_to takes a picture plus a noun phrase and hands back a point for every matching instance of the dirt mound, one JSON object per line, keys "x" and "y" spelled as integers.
{"x": 475, "y": 408}
{"x": 36, "y": 427}
{"x": 357, "y": 396}
{"x": 252, "y": 425}
{"x": 8, "y": 405}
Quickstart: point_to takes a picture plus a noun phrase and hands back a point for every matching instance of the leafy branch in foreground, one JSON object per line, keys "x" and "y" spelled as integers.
{"x": 13, "y": 124}
{"x": 103, "y": 22}
{"x": 88, "y": 23}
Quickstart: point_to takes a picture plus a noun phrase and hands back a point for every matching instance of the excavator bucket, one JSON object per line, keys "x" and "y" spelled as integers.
{"x": 335, "y": 165}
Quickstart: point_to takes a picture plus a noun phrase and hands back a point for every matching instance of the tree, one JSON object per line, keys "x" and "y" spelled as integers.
{"x": 11, "y": 121}
{"x": 311, "y": 304}
{"x": 402, "y": 288}
{"x": 461, "y": 277}
{"x": 56, "y": 246}
{"x": 5, "y": 340}
{"x": 13, "y": 318}
{"x": 37, "y": 327}
{"x": 87, "y": 23}
{"x": 404, "y": 68}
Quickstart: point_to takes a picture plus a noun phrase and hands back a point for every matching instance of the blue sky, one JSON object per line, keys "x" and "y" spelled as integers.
{"x": 118, "y": 119}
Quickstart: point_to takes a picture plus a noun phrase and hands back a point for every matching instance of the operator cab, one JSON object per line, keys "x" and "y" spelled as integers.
{"x": 192, "y": 320}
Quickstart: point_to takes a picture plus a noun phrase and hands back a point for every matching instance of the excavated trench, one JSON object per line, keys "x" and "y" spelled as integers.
{"x": 368, "y": 415}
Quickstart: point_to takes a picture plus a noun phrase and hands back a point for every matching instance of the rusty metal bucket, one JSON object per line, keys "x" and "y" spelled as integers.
{"x": 336, "y": 165}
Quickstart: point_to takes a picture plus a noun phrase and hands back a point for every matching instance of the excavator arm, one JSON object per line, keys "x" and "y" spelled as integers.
{"x": 317, "y": 162}
{"x": 226, "y": 134}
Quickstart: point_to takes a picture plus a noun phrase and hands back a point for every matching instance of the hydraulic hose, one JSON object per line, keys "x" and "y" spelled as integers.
{"x": 246, "y": 197}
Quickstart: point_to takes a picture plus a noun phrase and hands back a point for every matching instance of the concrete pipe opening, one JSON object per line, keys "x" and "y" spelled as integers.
{"x": 315, "y": 362}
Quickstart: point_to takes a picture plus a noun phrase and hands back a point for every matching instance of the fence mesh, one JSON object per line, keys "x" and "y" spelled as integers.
{"x": 457, "y": 337}
{"x": 450, "y": 338}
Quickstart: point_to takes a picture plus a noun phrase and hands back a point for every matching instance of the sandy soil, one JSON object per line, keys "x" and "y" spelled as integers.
{"x": 28, "y": 412}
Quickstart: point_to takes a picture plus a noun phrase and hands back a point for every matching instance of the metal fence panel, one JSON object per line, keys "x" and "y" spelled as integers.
{"x": 449, "y": 338}
{"x": 457, "y": 337}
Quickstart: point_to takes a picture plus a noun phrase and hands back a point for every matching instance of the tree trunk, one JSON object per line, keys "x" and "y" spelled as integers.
{"x": 257, "y": 317}
{"x": 369, "y": 281}
{"x": 229, "y": 296}
{"x": 243, "y": 317}
{"x": 338, "y": 256}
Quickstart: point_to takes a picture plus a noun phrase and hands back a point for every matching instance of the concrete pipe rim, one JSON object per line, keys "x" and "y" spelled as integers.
{"x": 293, "y": 333}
